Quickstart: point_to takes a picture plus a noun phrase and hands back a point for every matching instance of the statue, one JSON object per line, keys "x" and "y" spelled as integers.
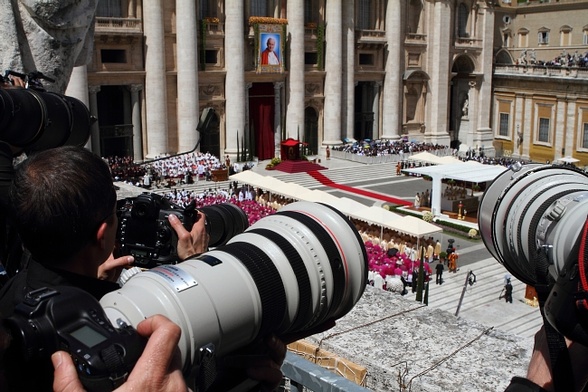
{"x": 49, "y": 36}
{"x": 523, "y": 57}
{"x": 533, "y": 57}
{"x": 465, "y": 107}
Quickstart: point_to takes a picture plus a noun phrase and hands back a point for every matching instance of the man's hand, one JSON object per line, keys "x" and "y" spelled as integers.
{"x": 157, "y": 370}
{"x": 192, "y": 242}
{"x": 110, "y": 270}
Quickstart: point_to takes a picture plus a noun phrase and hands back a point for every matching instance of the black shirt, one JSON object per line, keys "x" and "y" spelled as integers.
{"x": 38, "y": 375}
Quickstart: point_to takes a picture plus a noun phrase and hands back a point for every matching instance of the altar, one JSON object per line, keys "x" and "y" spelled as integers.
{"x": 469, "y": 204}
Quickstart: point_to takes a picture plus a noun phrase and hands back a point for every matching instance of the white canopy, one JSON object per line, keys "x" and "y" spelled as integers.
{"x": 414, "y": 226}
{"x": 469, "y": 171}
{"x": 568, "y": 159}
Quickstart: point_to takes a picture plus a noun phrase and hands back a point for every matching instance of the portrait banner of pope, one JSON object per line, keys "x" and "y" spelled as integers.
{"x": 270, "y": 56}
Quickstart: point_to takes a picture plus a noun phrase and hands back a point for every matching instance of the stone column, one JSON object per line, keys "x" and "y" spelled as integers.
{"x": 136, "y": 121}
{"x": 571, "y": 118}
{"x": 132, "y": 9}
{"x": 484, "y": 133}
{"x": 559, "y": 127}
{"x": 244, "y": 136}
{"x": 472, "y": 137}
{"x": 348, "y": 116}
{"x": 528, "y": 110}
{"x": 333, "y": 78}
{"x": 519, "y": 127}
{"x": 393, "y": 85}
{"x": 376, "y": 109}
{"x": 295, "y": 96}
{"x": 155, "y": 78}
{"x": 78, "y": 88}
{"x": 278, "y": 117}
{"x": 235, "y": 79}
{"x": 438, "y": 58}
{"x": 95, "y": 136}
{"x": 187, "y": 60}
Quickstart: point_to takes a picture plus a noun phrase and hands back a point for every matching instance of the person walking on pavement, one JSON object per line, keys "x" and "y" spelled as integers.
{"x": 508, "y": 291}
{"x": 439, "y": 276}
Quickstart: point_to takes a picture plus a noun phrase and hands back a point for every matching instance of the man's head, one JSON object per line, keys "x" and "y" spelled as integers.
{"x": 271, "y": 44}
{"x": 61, "y": 198}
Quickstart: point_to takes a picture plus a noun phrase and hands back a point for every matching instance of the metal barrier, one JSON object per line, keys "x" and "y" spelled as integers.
{"x": 305, "y": 375}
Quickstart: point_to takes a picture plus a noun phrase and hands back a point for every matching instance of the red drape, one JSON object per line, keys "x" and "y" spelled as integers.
{"x": 261, "y": 109}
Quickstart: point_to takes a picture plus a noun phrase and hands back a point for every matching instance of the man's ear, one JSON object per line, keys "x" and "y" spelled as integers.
{"x": 101, "y": 234}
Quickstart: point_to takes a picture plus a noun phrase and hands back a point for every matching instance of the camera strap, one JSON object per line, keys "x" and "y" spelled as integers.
{"x": 563, "y": 378}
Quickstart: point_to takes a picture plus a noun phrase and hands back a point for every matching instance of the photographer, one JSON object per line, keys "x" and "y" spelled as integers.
{"x": 540, "y": 377}
{"x": 64, "y": 207}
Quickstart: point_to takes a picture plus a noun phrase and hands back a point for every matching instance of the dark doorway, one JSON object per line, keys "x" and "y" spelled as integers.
{"x": 311, "y": 129}
{"x": 364, "y": 112}
{"x": 210, "y": 139}
{"x": 260, "y": 138}
{"x": 116, "y": 131}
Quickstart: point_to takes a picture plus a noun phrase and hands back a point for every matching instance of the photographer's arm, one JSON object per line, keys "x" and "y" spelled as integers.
{"x": 192, "y": 242}
{"x": 539, "y": 372}
{"x": 157, "y": 370}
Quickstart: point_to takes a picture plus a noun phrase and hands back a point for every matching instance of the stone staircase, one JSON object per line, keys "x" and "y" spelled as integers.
{"x": 480, "y": 301}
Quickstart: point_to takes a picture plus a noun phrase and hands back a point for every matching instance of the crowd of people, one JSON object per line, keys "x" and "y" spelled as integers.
{"x": 169, "y": 171}
{"x": 564, "y": 59}
{"x": 370, "y": 147}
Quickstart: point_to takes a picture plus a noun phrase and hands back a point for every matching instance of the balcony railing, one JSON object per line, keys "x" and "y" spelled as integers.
{"x": 215, "y": 28}
{"x": 370, "y": 36}
{"x": 468, "y": 42}
{"x": 542, "y": 71}
{"x": 118, "y": 25}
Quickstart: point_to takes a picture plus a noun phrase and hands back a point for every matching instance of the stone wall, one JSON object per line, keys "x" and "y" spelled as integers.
{"x": 410, "y": 347}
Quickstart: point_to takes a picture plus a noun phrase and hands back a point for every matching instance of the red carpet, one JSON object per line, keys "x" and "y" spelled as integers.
{"x": 328, "y": 182}
{"x": 298, "y": 166}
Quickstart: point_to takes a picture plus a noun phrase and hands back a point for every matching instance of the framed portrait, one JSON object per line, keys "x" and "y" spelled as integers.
{"x": 270, "y": 57}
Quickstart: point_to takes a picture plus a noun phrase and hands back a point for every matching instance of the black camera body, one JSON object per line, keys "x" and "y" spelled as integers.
{"x": 144, "y": 231}
{"x": 70, "y": 319}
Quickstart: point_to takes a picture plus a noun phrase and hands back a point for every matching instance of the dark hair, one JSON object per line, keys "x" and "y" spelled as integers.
{"x": 59, "y": 198}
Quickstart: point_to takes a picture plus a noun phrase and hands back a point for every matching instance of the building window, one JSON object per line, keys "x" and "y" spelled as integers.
{"x": 364, "y": 15}
{"x": 310, "y": 58}
{"x": 565, "y": 33}
{"x": 118, "y": 56}
{"x": 585, "y": 135}
{"x": 523, "y": 35}
{"x": 503, "y": 131}
{"x": 259, "y": 8}
{"x": 366, "y": 59}
{"x": 208, "y": 9}
{"x": 543, "y": 130}
{"x": 462, "y": 21}
{"x": 311, "y": 11}
{"x": 543, "y": 37}
{"x": 211, "y": 56}
{"x": 585, "y": 36}
{"x": 109, "y": 9}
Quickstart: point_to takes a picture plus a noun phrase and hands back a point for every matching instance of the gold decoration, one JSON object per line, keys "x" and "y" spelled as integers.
{"x": 266, "y": 20}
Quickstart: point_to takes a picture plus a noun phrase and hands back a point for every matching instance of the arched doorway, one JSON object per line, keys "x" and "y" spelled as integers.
{"x": 210, "y": 138}
{"x": 260, "y": 138}
{"x": 311, "y": 129}
{"x": 459, "y": 121}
